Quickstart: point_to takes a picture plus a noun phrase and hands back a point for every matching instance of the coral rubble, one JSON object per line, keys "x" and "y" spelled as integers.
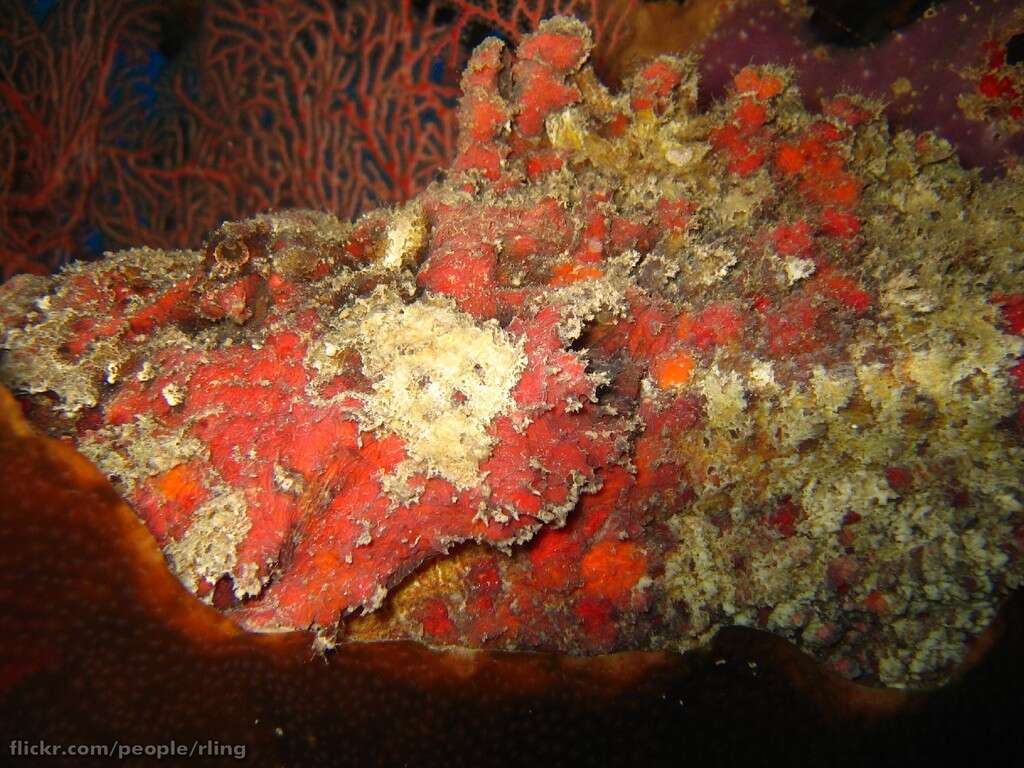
{"x": 683, "y": 369}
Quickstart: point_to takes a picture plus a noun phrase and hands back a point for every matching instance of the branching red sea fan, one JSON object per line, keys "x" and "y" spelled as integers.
{"x": 56, "y": 122}
{"x": 297, "y": 104}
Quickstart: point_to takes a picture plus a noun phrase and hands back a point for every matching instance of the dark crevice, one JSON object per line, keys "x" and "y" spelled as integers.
{"x": 1015, "y": 49}
{"x": 857, "y": 23}
{"x": 179, "y": 25}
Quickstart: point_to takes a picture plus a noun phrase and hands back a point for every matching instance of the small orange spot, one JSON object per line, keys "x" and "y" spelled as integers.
{"x": 876, "y": 602}
{"x": 684, "y": 326}
{"x": 559, "y": 51}
{"x": 716, "y": 324}
{"x": 845, "y": 290}
{"x": 789, "y": 159}
{"x": 617, "y": 125}
{"x": 612, "y": 568}
{"x": 326, "y": 562}
{"x": 744, "y": 165}
{"x": 539, "y": 164}
{"x": 641, "y": 103}
{"x": 826, "y": 132}
{"x": 181, "y": 484}
{"x": 1017, "y": 374}
{"x": 846, "y": 192}
{"x": 673, "y": 371}
{"x": 996, "y": 87}
{"x": 899, "y": 478}
{"x": 485, "y": 120}
{"x": 480, "y": 157}
{"x": 750, "y": 115}
{"x": 435, "y": 620}
{"x": 1012, "y": 306}
{"x": 793, "y": 239}
{"x": 844, "y": 109}
{"x": 567, "y": 274}
{"x": 839, "y": 224}
{"x": 660, "y": 78}
{"x": 674, "y": 214}
{"x": 764, "y": 86}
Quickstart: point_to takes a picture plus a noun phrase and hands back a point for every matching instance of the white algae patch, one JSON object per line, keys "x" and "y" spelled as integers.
{"x": 439, "y": 378}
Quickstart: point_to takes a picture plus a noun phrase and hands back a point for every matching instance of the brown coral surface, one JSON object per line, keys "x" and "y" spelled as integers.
{"x": 671, "y": 370}
{"x": 101, "y": 646}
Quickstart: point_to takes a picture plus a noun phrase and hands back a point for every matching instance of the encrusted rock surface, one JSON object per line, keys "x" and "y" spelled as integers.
{"x": 684, "y": 369}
